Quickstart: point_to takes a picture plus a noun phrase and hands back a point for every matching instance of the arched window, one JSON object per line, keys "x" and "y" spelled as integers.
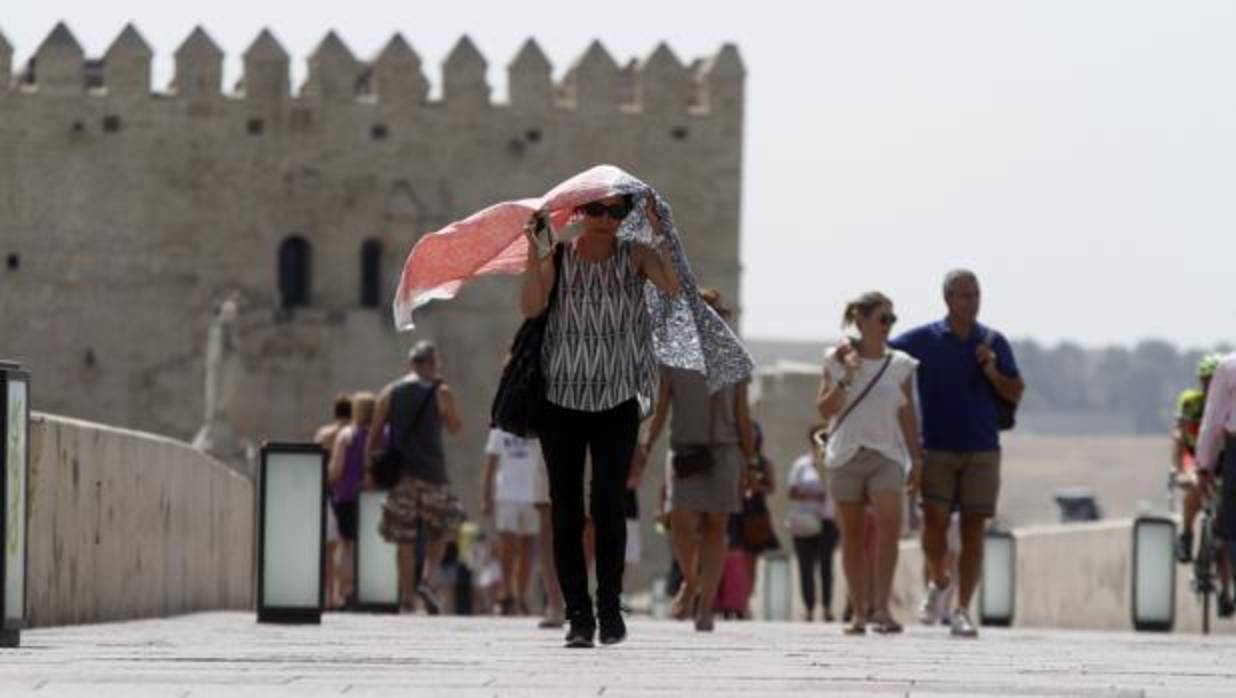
{"x": 371, "y": 273}
{"x": 294, "y": 255}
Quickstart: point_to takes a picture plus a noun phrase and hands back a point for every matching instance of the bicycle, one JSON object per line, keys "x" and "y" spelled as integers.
{"x": 1208, "y": 562}
{"x": 1204, "y": 563}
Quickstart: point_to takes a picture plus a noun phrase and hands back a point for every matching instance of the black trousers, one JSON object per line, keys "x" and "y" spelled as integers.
{"x": 1225, "y": 513}
{"x": 812, "y": 551}
{"x": 609, "y": 437}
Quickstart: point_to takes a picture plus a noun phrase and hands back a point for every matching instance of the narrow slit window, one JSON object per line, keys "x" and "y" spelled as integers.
{"x": 371, "y": 273}
{"x": 294, "y": 259}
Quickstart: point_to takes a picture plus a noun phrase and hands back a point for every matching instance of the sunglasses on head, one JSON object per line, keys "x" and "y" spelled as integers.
{"x": 596, "y": 209}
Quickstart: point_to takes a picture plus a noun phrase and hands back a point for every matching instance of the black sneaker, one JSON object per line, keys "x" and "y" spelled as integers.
{"x": 1184, "y": 547}
{"x": 1227, "y": 608}
{"x": 613, "y": 629}
{"x": 579, "y": 636}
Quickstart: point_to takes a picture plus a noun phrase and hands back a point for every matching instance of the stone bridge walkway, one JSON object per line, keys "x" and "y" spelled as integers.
{"x": 228, "y": 654}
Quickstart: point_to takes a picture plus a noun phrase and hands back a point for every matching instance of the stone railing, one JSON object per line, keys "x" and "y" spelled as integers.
{"x": 127, "y": 525}
{"x": 1075, "y": 576}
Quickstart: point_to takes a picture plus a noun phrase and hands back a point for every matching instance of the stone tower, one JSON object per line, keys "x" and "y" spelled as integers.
{"x": 128, "y": 215}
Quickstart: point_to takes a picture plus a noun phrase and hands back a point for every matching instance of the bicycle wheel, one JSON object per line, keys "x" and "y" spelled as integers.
{"x": 1203, "y": 569}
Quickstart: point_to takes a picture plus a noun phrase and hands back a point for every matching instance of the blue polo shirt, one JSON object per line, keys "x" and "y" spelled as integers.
{"x": 958, "y": 405}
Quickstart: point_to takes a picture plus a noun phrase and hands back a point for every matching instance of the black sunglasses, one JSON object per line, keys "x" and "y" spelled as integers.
{"x": 888, "y": 319}
{"x": 596, "y": 209}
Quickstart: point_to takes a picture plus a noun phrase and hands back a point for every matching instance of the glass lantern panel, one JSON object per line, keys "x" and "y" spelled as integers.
{"x": 377, "y": 562}
{"x": 15, "y": 506}
{"x": 292, "y": 556}
{"x": 1155, "y": 567}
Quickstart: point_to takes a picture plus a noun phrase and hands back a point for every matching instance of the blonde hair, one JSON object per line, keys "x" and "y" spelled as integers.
{"x": 863, "y": 305}
{"x": 363, "y": 404}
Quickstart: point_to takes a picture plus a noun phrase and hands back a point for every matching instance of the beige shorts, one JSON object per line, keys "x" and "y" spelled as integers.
{"x": 520, "y": 518}
{"x": 968, "y": 481}
{"x": 868, "y": 471}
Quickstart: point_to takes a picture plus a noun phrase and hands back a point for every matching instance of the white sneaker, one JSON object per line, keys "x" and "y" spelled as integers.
{"x": 929, "y": 609}
{"x": 961, "y": 624}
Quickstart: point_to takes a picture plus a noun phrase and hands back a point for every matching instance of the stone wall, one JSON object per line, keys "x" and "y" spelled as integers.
{"x": 130, "y": 525}
{"x": 128, "y": 214}
{"x": 1068, "y": 576}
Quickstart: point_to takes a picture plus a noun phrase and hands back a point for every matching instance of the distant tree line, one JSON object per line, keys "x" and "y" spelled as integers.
{"x": 1140, "y": 384}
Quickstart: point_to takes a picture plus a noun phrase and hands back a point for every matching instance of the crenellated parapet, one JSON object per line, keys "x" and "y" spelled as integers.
{"x": 267, "y": 70}
{"x": 126, "y": 65}
{"x": 59, "y": 64}
{"x": 333, "y": 72}
{"x": 463, "y": 77}
{"x": 594, "y": 83}
{"x": 199, "y": 67}
{"x": 658, "y": 84}
{"x": 530, "y": 78}
{"x": 396, "y": 75}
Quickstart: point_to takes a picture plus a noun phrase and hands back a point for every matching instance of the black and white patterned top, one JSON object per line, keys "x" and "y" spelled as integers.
{"x": 597, "y": 352}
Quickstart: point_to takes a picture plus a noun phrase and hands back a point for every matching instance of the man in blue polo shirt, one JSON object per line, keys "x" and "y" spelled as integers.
{"x": 964, "y": 368}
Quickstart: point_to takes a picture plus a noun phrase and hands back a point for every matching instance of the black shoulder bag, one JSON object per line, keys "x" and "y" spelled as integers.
{"x": 388, "y": 463}
{"x": 519, "y": 404}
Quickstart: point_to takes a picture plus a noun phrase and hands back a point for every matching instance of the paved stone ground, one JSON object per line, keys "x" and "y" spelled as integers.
{"x": 228, "y": 654}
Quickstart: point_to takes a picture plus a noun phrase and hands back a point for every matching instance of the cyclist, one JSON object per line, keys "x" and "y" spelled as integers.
{"x": 1216, "y": 446}
{"x": 1189, "y": 408}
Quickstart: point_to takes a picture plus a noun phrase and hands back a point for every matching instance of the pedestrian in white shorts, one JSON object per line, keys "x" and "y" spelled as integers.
{"x": 509, "y": 494}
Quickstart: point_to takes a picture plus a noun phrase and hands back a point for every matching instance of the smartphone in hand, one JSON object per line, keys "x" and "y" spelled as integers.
{"x": 542, "y": 235}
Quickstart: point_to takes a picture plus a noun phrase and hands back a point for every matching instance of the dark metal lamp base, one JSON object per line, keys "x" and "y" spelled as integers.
{"x": 10, "y": 638}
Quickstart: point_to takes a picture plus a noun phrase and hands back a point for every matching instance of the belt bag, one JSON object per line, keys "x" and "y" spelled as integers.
{"x": 689, "y": 460}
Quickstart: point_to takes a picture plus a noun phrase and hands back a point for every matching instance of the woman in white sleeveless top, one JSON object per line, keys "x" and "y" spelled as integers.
{"x": 873, "y": 450}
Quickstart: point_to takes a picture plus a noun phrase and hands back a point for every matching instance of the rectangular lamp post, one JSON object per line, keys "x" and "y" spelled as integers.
{"x": 14, "y": 487}
{"x": 777, "y": 586}
{"x": 376, "y": 575}
{"x": 291, "y": 533}
{"x": 1154, "y": 573}
{"x": 998, "y": 593}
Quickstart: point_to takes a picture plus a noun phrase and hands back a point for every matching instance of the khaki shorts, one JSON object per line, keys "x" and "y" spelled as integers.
{"x": 968, "y": 481}
{"x": 867, "y": 472}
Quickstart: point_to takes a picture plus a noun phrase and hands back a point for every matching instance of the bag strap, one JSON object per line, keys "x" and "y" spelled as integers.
{"x": 866, "y": 391}
{"x": 416, "y": 417}
{"x": 558, "y": 265}
{"x": 420, "y": 411}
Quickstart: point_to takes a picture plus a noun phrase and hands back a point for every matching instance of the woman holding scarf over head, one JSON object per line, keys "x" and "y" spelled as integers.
{"x": 597, "y": 353}
{"x": 624, "y": 301}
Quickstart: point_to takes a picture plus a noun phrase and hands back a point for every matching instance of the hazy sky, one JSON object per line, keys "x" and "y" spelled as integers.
{"x": 1081, "y": 156}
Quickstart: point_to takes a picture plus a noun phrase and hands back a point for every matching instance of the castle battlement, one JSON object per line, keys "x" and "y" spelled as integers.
{"x": 127, "y": 213}
{"x": 659, "y": 84}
